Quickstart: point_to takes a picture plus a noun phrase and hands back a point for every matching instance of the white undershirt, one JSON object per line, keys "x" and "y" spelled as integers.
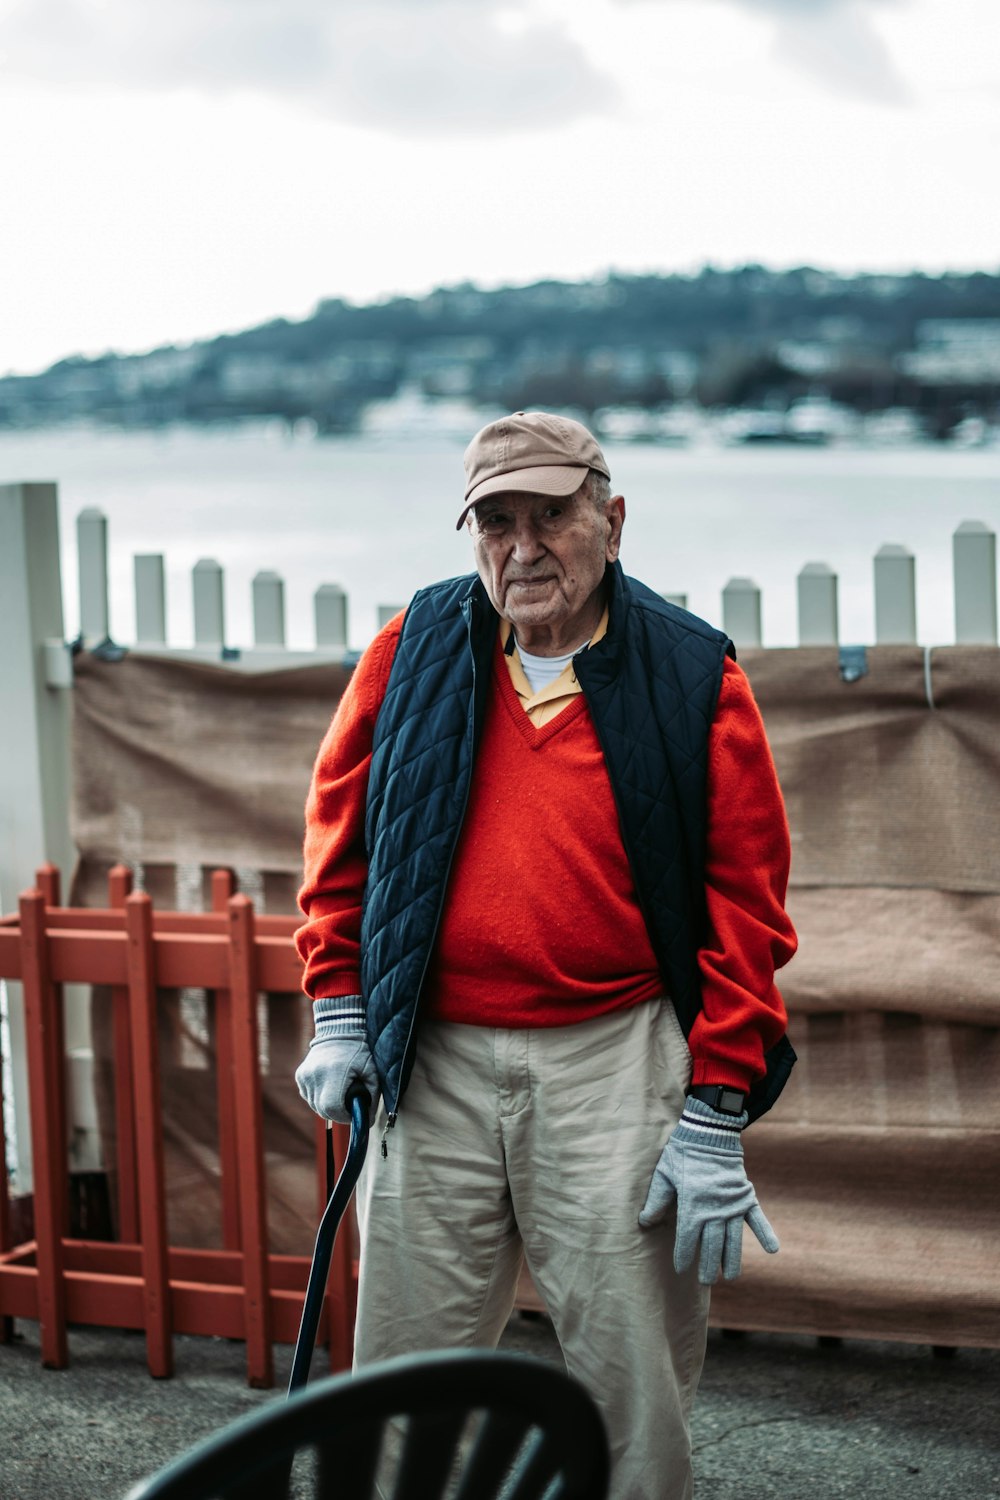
{"x": 541, "y": 670}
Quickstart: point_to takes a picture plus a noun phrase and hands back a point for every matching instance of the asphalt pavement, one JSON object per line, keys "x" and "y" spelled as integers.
{"x": 777, "y": 1418}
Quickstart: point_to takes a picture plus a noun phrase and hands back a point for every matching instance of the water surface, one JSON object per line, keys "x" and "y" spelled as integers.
{"x": 378, "y": 518}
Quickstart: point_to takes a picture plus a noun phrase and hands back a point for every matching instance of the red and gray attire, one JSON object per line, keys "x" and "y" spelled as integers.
{"x": 555, "y": 916}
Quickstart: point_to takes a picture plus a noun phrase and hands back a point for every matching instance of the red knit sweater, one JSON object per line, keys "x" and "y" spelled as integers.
{"x": 541, "y": 926}
{"x": 514, "y": 932}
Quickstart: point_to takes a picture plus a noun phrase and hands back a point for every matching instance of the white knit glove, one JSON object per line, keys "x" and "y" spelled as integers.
{"x": 701, "y": 1167}
{"x": 338, "y": 1057}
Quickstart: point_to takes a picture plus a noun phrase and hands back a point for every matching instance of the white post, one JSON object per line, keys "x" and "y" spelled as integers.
{"x": 741, "y": 612}
{"x": 268, "y": 609}
{"x": 386, "y": 612}
{"x": 975, "y": 561}
{"x": 150, "y": 599}
{"x": 330, "y": 606}
{"x": 34, "y": 744}
{"x": 209, "y": 614}
{"x": 92, "y": 555}
{"x": 818, "y": 620}
{"x": 895, "y": 596}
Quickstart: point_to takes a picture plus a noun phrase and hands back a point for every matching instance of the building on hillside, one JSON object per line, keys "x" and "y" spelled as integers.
{"x": 954, "y": 351}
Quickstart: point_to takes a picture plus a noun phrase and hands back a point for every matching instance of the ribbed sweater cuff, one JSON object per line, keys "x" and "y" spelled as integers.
{"x": 338, "y": 1015}
{"x": 701, "y": 1125}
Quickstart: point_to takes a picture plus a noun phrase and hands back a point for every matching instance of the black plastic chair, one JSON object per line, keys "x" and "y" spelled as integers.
{"x": 474, "y": 1426}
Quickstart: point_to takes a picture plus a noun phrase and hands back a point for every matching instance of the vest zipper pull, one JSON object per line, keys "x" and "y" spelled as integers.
{"x": 389, "y": 1124}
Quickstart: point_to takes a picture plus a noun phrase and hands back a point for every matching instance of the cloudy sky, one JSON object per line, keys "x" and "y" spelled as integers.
{"x": 174, "y": 168}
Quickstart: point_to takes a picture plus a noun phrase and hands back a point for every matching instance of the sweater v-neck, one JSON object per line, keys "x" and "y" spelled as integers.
{"x": 535, "y": 737}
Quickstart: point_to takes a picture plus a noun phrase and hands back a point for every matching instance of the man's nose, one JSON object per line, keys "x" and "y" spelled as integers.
{"x": 528, "y": 546}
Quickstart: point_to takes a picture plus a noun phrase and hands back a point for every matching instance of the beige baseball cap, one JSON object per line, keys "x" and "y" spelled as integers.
{"x": 533, "y": 452}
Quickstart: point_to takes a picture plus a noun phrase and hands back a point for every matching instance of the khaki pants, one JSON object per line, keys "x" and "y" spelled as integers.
{"x": 541, "y": 1144}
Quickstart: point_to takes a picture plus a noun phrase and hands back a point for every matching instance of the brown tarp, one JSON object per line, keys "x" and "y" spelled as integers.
{"x": 880, "y": 1167}
{"x": 180, "y": 768}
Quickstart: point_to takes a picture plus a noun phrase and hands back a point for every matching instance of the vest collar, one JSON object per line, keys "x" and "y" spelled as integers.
{"x": 599, "y": 666}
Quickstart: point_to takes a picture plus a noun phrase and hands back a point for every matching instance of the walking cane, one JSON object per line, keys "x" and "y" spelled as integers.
{"x": 338, "y": 1197}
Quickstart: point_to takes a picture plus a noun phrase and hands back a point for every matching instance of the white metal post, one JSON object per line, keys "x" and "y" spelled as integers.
{"x": 92, "y": 561}
{"x": 975, "y": 563}
{"x": 818, "y": 617}
{"x": 330, "y": 606}
{"x": 268, "y": 609}
{"x": 895, "y": 596}
{"x": 386, "y": 612}
{"x": 209, "y": 614}
{"x": 150, "y": 599}
{"x": 34, "y": 746}
{"x": 741, "y": 612}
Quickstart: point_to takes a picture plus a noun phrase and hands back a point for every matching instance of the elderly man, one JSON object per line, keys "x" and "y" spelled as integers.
{"x": 545, "y": 869}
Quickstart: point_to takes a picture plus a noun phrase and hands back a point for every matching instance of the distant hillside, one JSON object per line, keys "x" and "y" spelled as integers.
{"x": 722, "y": 338}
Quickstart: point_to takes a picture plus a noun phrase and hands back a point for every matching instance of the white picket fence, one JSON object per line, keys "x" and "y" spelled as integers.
{"x": 37, "y": 664}
{"x": 208, "y": 599}
{"x": 975, "y": 577}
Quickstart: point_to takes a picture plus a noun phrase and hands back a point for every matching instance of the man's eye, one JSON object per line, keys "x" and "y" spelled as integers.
{"x": 554, "y": 513}
{"x": 496, "y": 521}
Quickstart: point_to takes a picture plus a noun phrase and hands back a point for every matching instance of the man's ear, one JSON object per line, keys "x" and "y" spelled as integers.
{"x": 616, "y": 520}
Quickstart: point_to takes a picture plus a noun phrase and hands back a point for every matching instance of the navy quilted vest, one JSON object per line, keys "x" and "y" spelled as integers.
{"x": 651, "y": 685}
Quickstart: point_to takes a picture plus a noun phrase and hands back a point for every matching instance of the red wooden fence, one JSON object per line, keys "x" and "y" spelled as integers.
{"x": 241, "y": 1291}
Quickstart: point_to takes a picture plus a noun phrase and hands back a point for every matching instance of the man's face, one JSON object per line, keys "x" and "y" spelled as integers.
{"x": 542, "y": 562}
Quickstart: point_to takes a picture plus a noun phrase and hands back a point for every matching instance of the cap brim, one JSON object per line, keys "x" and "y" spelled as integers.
{"x": 547, "y": 479}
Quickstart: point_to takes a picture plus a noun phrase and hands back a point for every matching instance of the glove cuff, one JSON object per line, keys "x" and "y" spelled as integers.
{"x": 701, "y": 1125}
{"x": 339, "y": 1015}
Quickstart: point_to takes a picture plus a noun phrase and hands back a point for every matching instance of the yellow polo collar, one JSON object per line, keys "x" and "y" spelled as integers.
{"x": 543, "y": 706}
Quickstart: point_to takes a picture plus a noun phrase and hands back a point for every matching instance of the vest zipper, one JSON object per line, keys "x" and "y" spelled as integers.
{"x": 626, "y": 845}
